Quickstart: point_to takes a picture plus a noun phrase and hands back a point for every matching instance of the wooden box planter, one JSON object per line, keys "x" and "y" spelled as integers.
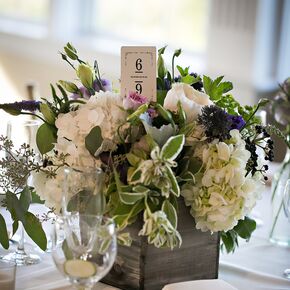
{"x": 145, "y": 267}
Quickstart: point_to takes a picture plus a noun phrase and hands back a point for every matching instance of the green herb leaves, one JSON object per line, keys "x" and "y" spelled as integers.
{"x": 216, "y": 88}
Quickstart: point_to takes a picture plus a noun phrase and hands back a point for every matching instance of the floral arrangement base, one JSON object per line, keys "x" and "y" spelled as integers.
{"x": 145, "y": 267}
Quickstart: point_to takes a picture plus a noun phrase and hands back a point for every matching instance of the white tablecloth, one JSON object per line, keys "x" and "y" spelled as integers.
{"x": 257, "y": 265}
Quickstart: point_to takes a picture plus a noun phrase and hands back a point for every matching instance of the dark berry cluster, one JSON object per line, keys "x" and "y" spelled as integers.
{"x": 251, "y": 145}
{"x": 197, "y": 86}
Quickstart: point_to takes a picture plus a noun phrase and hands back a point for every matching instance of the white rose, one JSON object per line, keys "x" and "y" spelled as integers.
{"x": 191, "y": 100}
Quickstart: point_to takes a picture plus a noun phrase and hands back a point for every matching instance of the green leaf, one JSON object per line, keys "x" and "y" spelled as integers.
{"x": 70, "y": 46}
{"x": 188, "y": 79}
{"x": 161, "y": 94}
{"x": 4, "y": 240}
{"x": 9, "y": 110}
{"x": 174, "y": 184}
{"x": 15, "y": 227}
{"x": 172, "y": 147}
{"x": 63, "y": 92}
{"x": 215, "y": 89}
{"x": 35, "y": 231}
{"x": 131, "y": 197}
{"x": 69, "y": 86}
{"x": 25, "y": 198}
{"x": 166, "y": 115}
{"x": 162, "y": 49}
{"x": 228, "y": 239}
{"x": 70, "y": 53}
{"x": 181, "y": 70}
{"x": 263, "y": 102}
{"x": 181, "y": 114}
{"x": 45, "y": 138}
{"x": 47, "y": 113}
{"x": 133, "y": 159}
{"x": 170, "y": 212}
{"x": 86, "y": 75}
{"x": 142, "y": 109}
{"x": 14, "y": 206}
{"x": 245, "y": 228}
{"x": 94, "y": 140}
{"x": 141, "y": 189}
{"x": 35, "y": 198}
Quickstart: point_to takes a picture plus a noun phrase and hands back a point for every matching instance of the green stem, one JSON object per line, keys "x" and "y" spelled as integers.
{"x": 31, "y": 114}
{"x": 276, "y": 218}
{"x": 251, "y": 116}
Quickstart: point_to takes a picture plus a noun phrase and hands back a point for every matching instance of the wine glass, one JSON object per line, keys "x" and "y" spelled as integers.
{"x": 286, "y": 206}
{"x": 83, "y": 191}
{"x": 19, "y": 132}
{"x": 84, "y": 248}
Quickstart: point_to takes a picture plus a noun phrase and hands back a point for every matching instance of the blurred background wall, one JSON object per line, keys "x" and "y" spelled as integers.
{"x": 248, "y": 41}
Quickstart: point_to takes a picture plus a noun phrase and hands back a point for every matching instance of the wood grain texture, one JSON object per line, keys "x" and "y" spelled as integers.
{"x": 145, "y": 267}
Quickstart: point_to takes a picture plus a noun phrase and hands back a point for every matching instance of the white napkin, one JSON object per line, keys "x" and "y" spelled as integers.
{"x": 215, "y": 284}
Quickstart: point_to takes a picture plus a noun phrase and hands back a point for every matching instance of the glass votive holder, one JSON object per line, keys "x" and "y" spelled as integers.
{"x": 7, "y": 275}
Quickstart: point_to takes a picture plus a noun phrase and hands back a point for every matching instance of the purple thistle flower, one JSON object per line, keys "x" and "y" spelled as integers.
{"x": 134, "y": 100}
{"x": 236, "y": 122}
{"x": 30, "y": 106}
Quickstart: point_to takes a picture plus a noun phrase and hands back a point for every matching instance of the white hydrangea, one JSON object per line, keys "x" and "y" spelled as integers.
{"x": 100, "y": 110}
{"x": 49, "y": 189}
{"x": 222, "y": 194}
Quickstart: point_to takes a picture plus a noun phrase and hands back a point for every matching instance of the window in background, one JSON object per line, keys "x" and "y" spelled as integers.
{"x": 25, "y": 10}
{"x": 176, "y": 23}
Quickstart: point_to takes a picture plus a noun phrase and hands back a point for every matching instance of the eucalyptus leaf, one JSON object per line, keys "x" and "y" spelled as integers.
{"x": 15, "y": 227}
{"x": 25, "y": 198}
{"x": 35, "y": 231}
{"x": 245, "y": 228}
{"x": 14, "y": 206}
{"x": 45, "y": 138}
{"x": 4, "y": 240}
{"x": 94, "y": 140}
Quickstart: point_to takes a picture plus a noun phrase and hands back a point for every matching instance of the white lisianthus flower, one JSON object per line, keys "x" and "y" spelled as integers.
{"x": 191, "y": 100}
{"x": 222, "y": 193}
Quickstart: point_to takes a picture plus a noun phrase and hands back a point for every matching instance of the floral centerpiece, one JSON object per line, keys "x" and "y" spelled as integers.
{"x": 196, "y": 142}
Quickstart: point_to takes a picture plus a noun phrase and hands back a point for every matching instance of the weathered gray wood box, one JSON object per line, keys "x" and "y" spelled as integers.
{"x": 145, "y": 267}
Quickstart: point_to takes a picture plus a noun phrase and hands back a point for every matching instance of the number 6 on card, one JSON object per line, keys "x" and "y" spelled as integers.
{"x": 138, "y": 71}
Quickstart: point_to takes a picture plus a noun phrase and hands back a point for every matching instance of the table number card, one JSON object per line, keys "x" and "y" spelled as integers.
{"x": 138, "y": 70}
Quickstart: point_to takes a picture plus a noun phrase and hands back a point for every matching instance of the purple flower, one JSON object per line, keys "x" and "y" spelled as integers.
{"x": 152, "y": 113}
{"x": 30, "y": 106}
{"x": 134, "y": 100}
{"x": 85, "y": 92}
{"x": 105, "y": 83}
{"x": 235, "y": 122}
